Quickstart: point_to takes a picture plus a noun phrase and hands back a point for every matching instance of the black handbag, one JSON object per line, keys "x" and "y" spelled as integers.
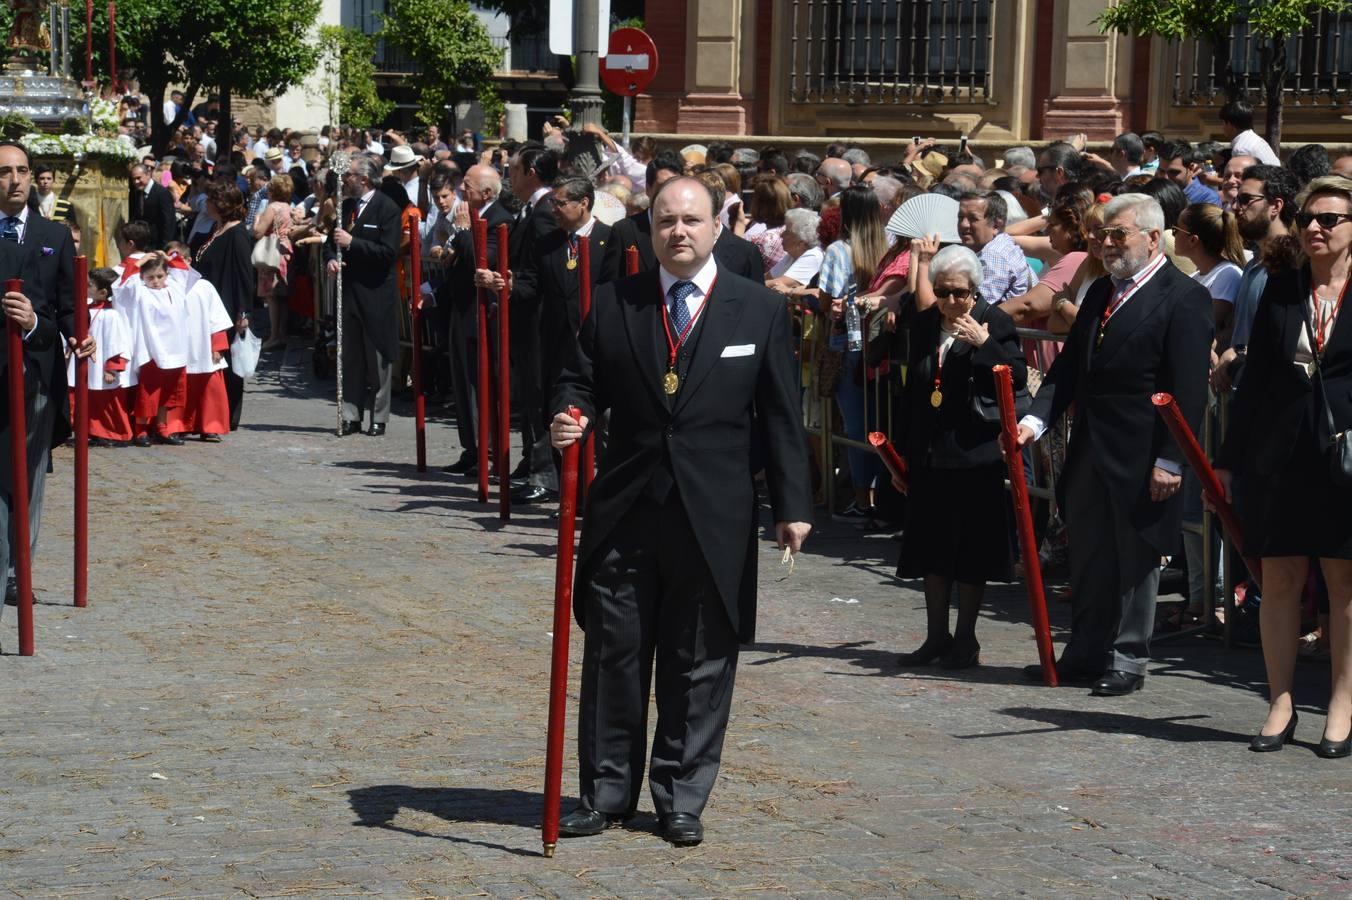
{"x": 1340, "y": 453}
{"x": 986, "y": 410}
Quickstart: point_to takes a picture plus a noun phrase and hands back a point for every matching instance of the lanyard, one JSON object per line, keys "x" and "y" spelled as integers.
{"x": 1127, "y": 294}
{"x": 1323, "y": 326}
{"x": 937, "y": 396}
{"x": 673, "y": 345}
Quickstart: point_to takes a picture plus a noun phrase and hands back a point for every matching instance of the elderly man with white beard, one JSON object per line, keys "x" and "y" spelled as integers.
{"x": 1143, "y": 328}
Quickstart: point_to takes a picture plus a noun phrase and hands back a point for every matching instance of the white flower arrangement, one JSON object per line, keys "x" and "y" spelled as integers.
{"x": 80, "y": 146}
{"x": 105, "y": 116}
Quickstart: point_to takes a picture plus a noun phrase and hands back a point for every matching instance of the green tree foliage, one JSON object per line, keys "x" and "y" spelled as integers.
{"x": 453, "y": 52}
{"x": 347, "y": 58}
{"x": 1271, "y": 22}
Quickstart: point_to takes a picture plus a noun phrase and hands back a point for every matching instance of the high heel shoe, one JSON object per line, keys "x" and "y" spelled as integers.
{"x": 962, "y": 654}
{"x": 928, "y": 652}
{"x": 1334, "y": 749}
{"x": 1266, "y": 743}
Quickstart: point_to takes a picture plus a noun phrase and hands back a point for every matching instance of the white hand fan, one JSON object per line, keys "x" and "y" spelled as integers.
{"x": 925, "y": 215}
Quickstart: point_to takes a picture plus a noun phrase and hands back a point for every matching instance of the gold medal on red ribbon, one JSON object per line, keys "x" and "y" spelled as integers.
{"x": 671, "y": 382}
{"x": 572, "y": 264}
{"x": 936, "y": 398}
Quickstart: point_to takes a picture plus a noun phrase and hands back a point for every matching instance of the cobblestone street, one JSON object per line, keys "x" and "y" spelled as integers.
{"x": 307, "y": 670}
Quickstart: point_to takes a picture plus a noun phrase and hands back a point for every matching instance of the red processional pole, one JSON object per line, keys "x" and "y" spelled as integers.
{"x": 631, "y": 261}
{"x": 415, "y": 330}
{"x": 504, "y": 423}
{"x": 81, "y": 434}
{"x": 1168, "y": 409}
{"x": 584, "y": 292}
{"x": 558, "y": 669}
{"x": 896, "y": 466}
{"x": 482, "y": 393}
{"x": 112, "y": 43}
{"x": 1023, "y": 518}
{"x": 18, "y": 455}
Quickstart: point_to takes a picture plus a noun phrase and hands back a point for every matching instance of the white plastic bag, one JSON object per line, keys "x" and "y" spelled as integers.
{"x": 244, "y": 352}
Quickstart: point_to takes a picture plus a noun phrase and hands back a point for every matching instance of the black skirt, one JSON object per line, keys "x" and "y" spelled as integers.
{"x": 957, "y": 525}
{"x": 1298, "y": 511}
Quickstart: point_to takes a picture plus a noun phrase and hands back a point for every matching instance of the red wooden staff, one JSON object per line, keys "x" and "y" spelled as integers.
{"x": 81, "y": 434}
{"x": 18, "y": 452}
{"x": 485, "y": 428}
{"x": 1168, "y": 409}
{"x": 558, "y": 670}
{"x": 504, "y": 423}
{"x": 415, "y": 328}
{"x": 631, "y": 261}
{"x": 584, "y": 291}
{"x": 896, "y": 466}
{"x": 1023, "y": 518}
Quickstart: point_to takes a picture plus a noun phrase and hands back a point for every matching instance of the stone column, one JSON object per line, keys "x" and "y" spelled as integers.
{"x": 1090, "y": 74}
{"x": 713, "y": 101}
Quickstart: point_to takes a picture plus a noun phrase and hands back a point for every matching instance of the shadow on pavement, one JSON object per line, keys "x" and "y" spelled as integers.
{"x": 378, "y": 806}
{"x": 1176, "y": 729}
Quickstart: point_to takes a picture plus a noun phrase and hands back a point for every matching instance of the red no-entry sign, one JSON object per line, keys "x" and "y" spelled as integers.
{"x": 630, "y": 62}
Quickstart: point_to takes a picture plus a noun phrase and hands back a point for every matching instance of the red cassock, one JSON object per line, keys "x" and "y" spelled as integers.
{"x": 206, "y": 408}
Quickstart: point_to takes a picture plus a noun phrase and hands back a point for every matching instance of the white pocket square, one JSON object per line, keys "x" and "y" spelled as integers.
{"x": 738, "y": 350}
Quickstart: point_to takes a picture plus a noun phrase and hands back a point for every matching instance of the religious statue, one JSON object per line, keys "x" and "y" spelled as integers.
{"x": 29, "y": 31}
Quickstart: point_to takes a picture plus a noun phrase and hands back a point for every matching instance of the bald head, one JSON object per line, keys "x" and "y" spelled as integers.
{"x": 481, "y": 186}
{"x": 834, "y": 175}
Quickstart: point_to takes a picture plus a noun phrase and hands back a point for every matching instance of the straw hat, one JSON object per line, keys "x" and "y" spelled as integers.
{"x": 402, "y": 157}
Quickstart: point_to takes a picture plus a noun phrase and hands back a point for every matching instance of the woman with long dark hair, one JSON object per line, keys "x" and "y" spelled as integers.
{"x": 224, "y": 260}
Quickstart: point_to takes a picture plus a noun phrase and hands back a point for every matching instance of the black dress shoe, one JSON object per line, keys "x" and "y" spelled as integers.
{"x": 1064, "y": 674}
{"x": 1334, "y": 749}
{"x": 1266, "y": 743}
{"x": 171, "y": 439}
{"x": 928, "y": 652}
{"x": 533, "y": 493}
{"x": 12, "y": 592}
{"x": 141, "y": 440}
{"x": 682, "y": 829}
{"x": 583, "y": 822}
{"x": 961, "y": 655}
{"x": 459, "y": 467}
{"x": 1117, "y": 684}
{"x": 349, "y": 427}
{"x": 377, "y": 429}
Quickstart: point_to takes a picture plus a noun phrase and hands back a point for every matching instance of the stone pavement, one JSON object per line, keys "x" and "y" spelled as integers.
{"x": 308, "y": 671}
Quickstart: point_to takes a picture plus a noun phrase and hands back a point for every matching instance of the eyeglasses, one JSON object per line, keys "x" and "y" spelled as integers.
{"x": 953, "y": 295}
{"x": 1041, "y": 169}
{"x": 1115, "y": 234}
{"x": 1242, "y": 200}
{"x": 1327, "y": 220}
{"x": 1179, "y": 229}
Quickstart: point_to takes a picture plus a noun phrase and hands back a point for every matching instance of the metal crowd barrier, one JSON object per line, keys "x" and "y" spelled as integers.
{"x": 811, "y": 335}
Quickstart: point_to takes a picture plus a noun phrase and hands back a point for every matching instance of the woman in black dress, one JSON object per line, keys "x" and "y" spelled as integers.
{"x": 224, "y": 260}
{"x": 957, "y": 524}
{"x": 1278, "y": 444}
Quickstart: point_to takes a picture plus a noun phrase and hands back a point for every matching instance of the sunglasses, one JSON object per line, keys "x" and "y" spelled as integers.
{"x": 953, "y": 295}
{"x": 1115, "y": 233}
{"x": 1245, "y": 199}
{"x": 1327, "y": 220}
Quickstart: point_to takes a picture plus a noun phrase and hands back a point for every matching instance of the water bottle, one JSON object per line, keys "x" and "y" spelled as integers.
{"x": 854, "y": 326}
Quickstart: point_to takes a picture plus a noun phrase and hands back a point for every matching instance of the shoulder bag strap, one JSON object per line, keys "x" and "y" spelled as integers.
{"x": 1318, "y": 368}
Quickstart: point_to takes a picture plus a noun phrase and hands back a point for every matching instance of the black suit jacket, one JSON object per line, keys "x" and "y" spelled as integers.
{"x": 732, "y": 252}
{"x": 39, "y": 352}
{"x": 524, "y": 237}
{"x": 560, "y": 297}
{"x": 458, "y": 289}
{"x": 950, "y": 437}
{"x": 370, "y": 279}
{"x": 1160, "y": 340}
{"x": 1276, "y": 410}
{"x": 157, "y": 210}
{"x": 704, "y": 437}
{"x": 53, "y": 250}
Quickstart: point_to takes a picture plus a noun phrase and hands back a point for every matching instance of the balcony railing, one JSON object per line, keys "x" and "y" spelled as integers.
{"x": 1318, "y": 64}
{"x": 891, "y": 51}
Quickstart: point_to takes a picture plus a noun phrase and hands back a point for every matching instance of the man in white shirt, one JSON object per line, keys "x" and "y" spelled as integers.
{"x": 1145, "y": 329}
{"x": 1237, "y": 125}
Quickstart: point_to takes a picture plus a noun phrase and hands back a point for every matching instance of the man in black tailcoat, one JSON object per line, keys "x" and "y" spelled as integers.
{"x": 680, "y": 356}
{"x": 1144, "y": 328}
{"x": 369, "y": 232}
{"x": 153, "y": 204}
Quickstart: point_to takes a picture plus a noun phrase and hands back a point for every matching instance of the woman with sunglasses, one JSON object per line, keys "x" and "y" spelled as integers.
{"x": 1299, "y": 377}
{"x": 957, "y": 526}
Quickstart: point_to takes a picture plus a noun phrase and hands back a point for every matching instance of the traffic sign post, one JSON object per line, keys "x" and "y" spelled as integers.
{"x": 629, "y": 66}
